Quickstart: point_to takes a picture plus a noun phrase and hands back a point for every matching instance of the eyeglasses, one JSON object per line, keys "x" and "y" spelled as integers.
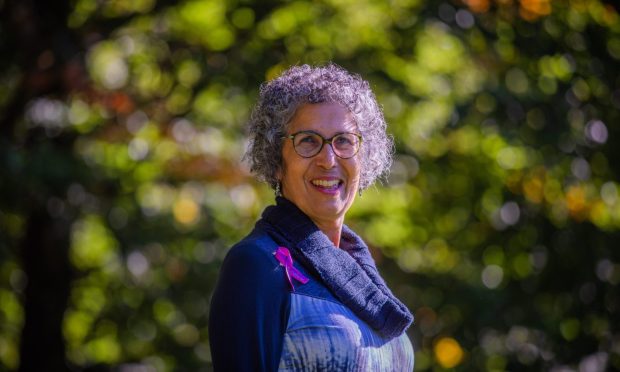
{"x": 308, "y": 143}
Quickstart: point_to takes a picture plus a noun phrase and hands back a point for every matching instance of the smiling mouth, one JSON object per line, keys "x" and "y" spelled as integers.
{"x": 327, "y": 184}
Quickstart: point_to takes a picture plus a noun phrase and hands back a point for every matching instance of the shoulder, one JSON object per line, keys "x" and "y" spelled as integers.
{"x": 250, "y": 306}
{"x": 257, "y": 247}
{"x": 250, "y": 266}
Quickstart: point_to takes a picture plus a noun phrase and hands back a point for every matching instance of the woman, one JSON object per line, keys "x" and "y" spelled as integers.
{"x": 301, "y": 292}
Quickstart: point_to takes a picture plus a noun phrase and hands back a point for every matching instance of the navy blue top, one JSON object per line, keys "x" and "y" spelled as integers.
{"x": 250, "y": 308}
{"x": 344, "y": 318}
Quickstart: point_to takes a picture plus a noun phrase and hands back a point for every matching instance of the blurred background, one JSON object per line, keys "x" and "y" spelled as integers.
{"x": 122, "y": 185}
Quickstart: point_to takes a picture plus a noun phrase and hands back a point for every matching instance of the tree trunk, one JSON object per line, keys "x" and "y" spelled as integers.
{"x": 44, "y": 254}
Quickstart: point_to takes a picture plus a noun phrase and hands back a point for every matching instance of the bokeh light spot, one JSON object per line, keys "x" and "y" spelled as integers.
{"x": 448, "y": 352}
{"x": 609, "y": 193}
{"x": 138, "y": 149}
{"x": 580, "y": 168}
{"x": 576, "y": 201}
{"x": 137, "y": 263}
{"x": 570, "y": 328}
{"x": 596, "y": 131}
{"x": 183, "y": 130}
{"x": 464, "y": 19}
{"x": 186, "y": 334}
{"x": 492, "y": 276}
{"x": 516, "y": 81}
{"x": 107, "y": 65}
{"x": 512, "y": 157}
{"x": 186, "y": 211}
{"x": 243, "y": 18}
{"x": 510, "y": 213}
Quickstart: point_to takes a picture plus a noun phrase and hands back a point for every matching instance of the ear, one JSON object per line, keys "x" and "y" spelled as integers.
{"x": 280, "y": 171}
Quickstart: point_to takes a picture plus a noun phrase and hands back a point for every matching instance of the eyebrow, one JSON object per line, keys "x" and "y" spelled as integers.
{"x": 325, "y": 137}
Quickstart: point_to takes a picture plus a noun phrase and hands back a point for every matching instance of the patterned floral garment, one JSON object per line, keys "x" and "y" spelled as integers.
{"x": 324, "y": 335}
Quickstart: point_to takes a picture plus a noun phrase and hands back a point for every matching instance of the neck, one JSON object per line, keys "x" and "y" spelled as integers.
{"x": 287, "y": 214}
{"x": 333, "y": 229}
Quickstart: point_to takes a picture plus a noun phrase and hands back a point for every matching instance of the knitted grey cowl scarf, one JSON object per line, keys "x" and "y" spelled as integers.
{"x": 349, "y": 272}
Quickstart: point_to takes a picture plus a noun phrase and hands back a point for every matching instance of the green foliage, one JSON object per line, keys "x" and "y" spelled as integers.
{"x": 498, "y": 226}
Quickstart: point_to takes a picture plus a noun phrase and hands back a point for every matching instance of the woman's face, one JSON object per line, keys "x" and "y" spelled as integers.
{"x": 323, "y": 186}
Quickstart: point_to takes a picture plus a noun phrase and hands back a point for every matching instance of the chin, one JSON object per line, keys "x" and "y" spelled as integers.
{"x": 335, "y": 210}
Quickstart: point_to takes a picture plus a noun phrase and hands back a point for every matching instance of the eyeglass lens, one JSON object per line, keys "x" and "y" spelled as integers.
{"x": 345, "y": 145}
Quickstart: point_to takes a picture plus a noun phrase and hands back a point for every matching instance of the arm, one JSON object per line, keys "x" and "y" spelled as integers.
{"x": 249, "y": 311}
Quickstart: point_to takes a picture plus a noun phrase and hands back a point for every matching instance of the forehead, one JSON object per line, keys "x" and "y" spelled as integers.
{"x": 324, "y": 118}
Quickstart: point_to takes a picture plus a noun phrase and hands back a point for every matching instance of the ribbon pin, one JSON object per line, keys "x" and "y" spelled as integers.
{"x": 284, "y": 257}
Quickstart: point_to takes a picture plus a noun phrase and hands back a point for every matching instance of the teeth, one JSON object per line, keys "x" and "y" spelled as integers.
{"x": 324, "y": 183}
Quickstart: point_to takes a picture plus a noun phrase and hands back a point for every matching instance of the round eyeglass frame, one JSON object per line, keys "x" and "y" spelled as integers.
{"x": 330, "y": 141}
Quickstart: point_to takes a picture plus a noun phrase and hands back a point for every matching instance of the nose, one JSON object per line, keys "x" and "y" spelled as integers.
{"x": 326, "y": 158}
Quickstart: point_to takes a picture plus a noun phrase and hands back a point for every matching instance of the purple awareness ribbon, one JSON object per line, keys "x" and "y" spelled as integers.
{"x": 284, "y": 257}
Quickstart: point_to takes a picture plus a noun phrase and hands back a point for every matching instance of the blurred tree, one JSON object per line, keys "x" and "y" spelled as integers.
{"x": 122, "y": 186}
{"x": 40, "y": 60}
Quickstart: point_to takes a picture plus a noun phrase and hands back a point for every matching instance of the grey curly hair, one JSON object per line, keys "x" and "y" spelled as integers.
{"x": 279, "y": 99}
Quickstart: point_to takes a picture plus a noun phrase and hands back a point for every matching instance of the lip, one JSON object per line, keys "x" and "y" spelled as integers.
{"x": 327, "y": 190}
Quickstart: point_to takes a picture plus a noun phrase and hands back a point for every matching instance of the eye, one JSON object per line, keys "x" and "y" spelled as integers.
{"x": 345, "y": 140}
{"x": 307, "y": 139}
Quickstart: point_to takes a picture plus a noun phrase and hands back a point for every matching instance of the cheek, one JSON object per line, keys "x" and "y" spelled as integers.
{"x": 355, "y": 171}
{"x": 285, "y": 164}
{"x": 293, "y": 168}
